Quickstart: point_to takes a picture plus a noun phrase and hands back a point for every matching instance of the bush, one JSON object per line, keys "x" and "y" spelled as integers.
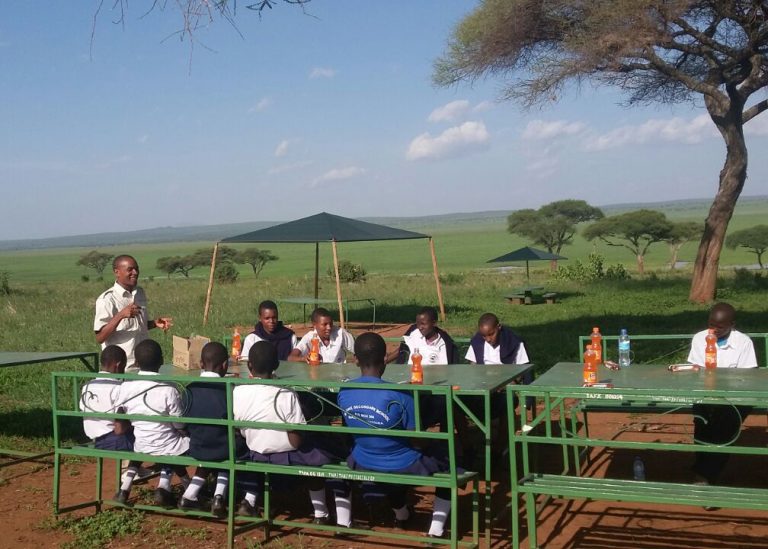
{"x": 226, "y": 273}
{"x": 5, "y": 283}
{"x": 349, "y": 272}
{"x": 452, "y": 278}
{"x": 593, "y": 270}
{"x": 85, "y": 278}
{"x": 745, "y": 279}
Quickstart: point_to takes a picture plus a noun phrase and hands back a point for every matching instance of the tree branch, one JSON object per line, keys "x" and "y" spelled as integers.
{"x": 754, "y": 110}
{"x": 685, "y": 79}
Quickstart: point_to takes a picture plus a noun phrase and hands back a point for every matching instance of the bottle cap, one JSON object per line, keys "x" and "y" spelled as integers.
{"x": 623, "y": 331}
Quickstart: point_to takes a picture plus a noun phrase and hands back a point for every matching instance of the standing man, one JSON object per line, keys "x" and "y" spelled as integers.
{"x": 121, "y": 311}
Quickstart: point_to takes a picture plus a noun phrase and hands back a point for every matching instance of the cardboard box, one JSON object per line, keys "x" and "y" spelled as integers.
{"x": 186, "y": 351}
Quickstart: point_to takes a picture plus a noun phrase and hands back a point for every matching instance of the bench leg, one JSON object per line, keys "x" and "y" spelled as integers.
{"x": 56, "y": 482}
{"x": 231, "y": 489}
{"x": 99, "y": 478}
{"x": 530, "y": 510}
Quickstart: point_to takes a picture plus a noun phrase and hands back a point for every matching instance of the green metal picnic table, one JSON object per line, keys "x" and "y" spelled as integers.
{"x": 561, "y": 385}
{"x": 467, "y": 381}
{"x": 13, "y": 358}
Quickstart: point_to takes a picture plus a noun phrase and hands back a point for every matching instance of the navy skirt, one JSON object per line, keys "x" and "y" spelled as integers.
{"x": 113, "y": 441}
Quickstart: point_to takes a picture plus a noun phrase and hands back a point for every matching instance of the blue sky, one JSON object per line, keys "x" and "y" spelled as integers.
{"x": 333, "y": 111}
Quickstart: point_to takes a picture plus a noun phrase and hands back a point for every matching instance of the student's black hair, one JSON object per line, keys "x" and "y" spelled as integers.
{"x": 112, "y": 354}
{"x": 429, "y": 312}
{"x": 370, "y": 349}
{"x": 319, "y": 313}
{"x": 213, "y": 355}
{"x": 119, "y": 258}
{"x": 267, "y": 305}
{"x": 488, "y": 319}
{"x": 149, "y": 355}
{"x": 723, "y": 308}
{"x": 262, "y": 358}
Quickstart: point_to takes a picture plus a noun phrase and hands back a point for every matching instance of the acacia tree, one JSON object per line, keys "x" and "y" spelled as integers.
{"x": 681, "y": 233}
{"x": 181, "y": 264}
{"x": 635, "y": 231}
{"x": 95, "y": 260}
{"x": 656, "y": 51}
{"x": 256, "y": 258}
{"x": 754, "y": 239}
{"x": 553, "y": 225}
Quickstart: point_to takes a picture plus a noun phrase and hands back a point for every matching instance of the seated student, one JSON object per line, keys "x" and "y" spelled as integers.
{"x": 270, "y": 403}
{"x": 209, "y": 442}
{"x": 495, "y": 344}
{"x": 386, "y": 409}
{"x": 153, "y": 398}
{"x": 433, "y": 343}
{"x": 334, "y": 342}
{"x": 715, "y": 424}
{"x": 270, "y": 329}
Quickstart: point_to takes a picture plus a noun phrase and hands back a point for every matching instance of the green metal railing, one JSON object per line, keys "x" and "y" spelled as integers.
{"x": 63, "y": 383}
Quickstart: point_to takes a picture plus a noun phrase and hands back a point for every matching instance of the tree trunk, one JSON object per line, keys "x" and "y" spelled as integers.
{"x": 760, "y": 260}
{"x": 674, "y": 252}
{"x": 732, "y": 178}
{"x": 641, "y": 263}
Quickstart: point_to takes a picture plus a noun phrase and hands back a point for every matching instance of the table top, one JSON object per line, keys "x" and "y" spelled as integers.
{"x": 19, "y": 358}
{"x": 318, "y": 301}
{"x": 523, "y": 289}
{"x": 465, "y": 378}
{"x": 656, "y": 379}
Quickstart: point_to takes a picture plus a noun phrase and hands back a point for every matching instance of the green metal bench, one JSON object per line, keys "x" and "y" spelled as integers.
{"x": 66, "y": 389}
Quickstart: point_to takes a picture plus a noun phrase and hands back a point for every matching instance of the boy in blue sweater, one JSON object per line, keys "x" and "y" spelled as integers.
{"x": 386, "y": 409}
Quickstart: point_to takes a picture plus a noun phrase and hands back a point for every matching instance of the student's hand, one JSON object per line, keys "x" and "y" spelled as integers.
{"x": 164, "y": 323}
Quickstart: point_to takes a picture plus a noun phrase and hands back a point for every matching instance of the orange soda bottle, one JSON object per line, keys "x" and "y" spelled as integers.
{"x": 237, "y": 345}
{"x": 597, "y": 344}
{"x": 710, "y": 352}
{"x": 314, "y": 352}
{"x": 590, "y": 366}
{"x": 417, "y": 370}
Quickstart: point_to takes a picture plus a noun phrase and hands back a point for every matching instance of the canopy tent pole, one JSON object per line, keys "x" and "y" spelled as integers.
{"x": 317, "y": 269}
{"x": 338, "y": 282}
{"x": 527, "y": 271}
{"x": 210, "y": 284}
{"x": 437, "y": 279}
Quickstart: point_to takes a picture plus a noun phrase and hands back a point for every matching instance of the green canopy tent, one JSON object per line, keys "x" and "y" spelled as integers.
{"x": 325, "y": 227}
{"x": 526, "y": 254}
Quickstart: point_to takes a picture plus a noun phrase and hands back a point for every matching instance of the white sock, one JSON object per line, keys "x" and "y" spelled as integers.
{"x": 250, "y": 497}
{"x": 440, "y": 509}
{"x": 222, "y": 481}
{"x": 165, "y": 480}
{"x": 194, "y": 488}
{"x": 343, "y": 511}
{"x": 318, "y": 502}
{"x": 127, "y": 479}
{"x": 403, "y": 513}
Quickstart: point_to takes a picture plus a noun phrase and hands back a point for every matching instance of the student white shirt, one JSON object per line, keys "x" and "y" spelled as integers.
{"x": 737, "y": 351}
{"x": 250, "y": 339}
{"x": 130, "y": 331}
{"x": 268, "y": 403}
{"x": 492, "y": 355}
{"x": 154, "y": 398}
{"x": 432, "y": 352}
{"x": 99, "y": 395}
{"x": 339, "y": 343}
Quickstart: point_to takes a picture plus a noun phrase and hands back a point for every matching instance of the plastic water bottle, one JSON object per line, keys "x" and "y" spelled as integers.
{"x": 638, "y": 469}
{"x": 624, "y": 359}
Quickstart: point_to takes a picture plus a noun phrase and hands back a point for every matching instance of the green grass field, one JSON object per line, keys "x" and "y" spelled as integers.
{"x": 51, "y": 308}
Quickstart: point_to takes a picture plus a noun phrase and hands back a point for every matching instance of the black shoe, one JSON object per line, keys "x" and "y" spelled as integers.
{"x": 246, "y": 509}
{"x": 189, "y": 504}
{"x": 164, "y": 498}
{"x": 403, "y": 524}
{"x": 219, "y": 507}
{"x": 122, "y": 496}
{"x": 321, "y": 520}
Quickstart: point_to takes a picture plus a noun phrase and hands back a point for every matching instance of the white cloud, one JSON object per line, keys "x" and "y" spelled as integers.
{"x": 483, "y": 106}
{"x": 455, "y": 141}
{"x": 757, "y": 126}
{"x": 539, "y": 130}
{"x": 321, "y": 72}
{"x": 339, "y": 174}
{"x": 262, "y": 105}
{"x": 679, "y": 130}
{"x": 142, "y": 139}
{"x": 282, "y": 148}
{"x": 282, "y": 168}
{"x": 450, "y": 111}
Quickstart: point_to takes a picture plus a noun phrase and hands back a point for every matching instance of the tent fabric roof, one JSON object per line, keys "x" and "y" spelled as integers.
{"x": 325, "y": 227}
{"x": 525, "y": 254}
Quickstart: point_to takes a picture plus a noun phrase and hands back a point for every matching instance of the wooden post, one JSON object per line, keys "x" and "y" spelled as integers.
{"x": 317, "y": 269}
{"x": 338, "y": 282}
{"x": 437, "y": 279}
{"x": 210, "y": 284}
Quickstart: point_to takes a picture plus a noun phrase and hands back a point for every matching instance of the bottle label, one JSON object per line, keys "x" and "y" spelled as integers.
{"x": 623, "y": 345}
{"x": 590, "y": 377}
